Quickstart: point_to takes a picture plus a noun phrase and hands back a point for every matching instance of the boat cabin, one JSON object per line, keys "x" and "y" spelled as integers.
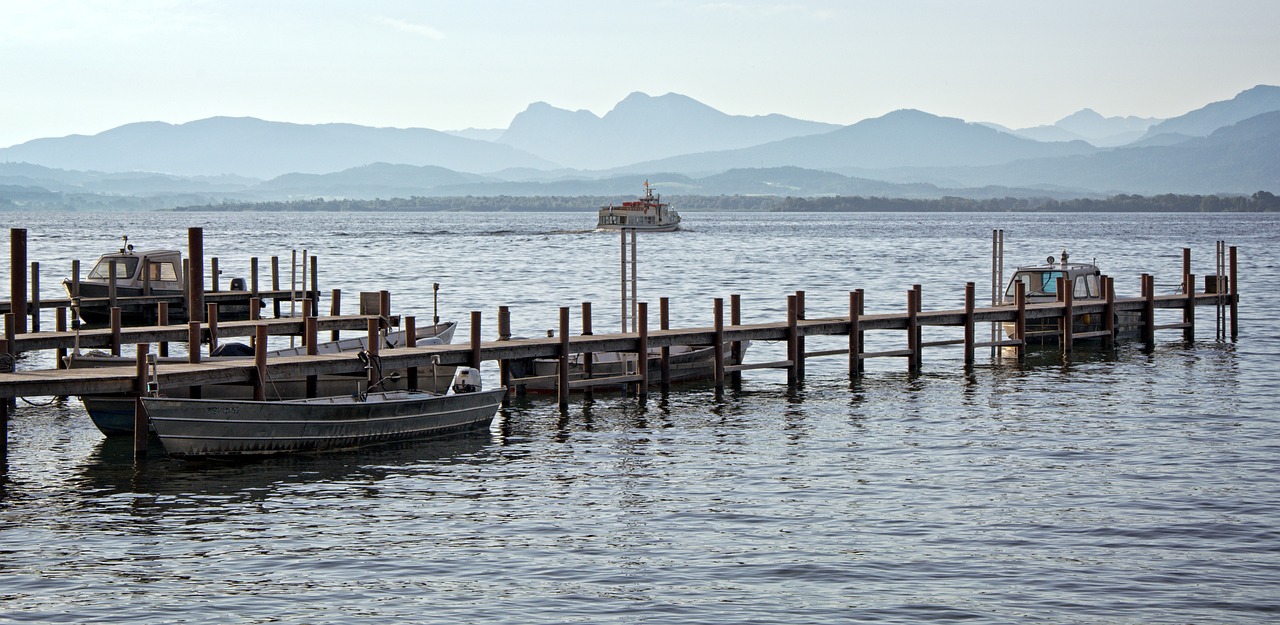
{"x": 161, "y": 269}
{"x": 1042, "y": 280}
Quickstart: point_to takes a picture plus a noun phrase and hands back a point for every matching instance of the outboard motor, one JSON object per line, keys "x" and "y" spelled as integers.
{"x": 237, "y": 284}
{"x": 466, "y": 380}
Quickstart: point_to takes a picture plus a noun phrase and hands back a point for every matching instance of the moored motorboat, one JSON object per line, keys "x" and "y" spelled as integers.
{"x": 189, "y": 428}
{"x": 113, "y": 414}
{"x": 647, "y": 214}
{"x": 138, "y": 274}
{"x": 1040, "y": 286}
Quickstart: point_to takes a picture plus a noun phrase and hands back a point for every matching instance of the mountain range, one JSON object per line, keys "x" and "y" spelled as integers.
{"x": 684, "y": 146}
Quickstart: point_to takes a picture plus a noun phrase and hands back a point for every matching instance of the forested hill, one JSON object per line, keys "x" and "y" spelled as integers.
{"x": 1262, "y": 201}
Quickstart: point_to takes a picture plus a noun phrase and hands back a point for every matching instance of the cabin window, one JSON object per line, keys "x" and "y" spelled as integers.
{"x": 163, "y": 272}
{"x": 125, "y": 267}
{"x": 1037, "y": 282}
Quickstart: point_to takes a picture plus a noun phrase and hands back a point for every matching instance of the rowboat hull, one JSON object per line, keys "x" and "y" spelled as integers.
{"x": 190, "y": 428}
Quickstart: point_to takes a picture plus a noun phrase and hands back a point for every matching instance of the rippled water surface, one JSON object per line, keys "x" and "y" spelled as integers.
{"x": 1131, "y": 485}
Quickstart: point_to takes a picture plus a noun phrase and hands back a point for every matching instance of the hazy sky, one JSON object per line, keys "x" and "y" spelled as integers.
{"x": 84, "y": 67}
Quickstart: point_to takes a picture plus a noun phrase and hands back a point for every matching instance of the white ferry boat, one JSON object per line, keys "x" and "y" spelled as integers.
{"x": 648, "y": 214}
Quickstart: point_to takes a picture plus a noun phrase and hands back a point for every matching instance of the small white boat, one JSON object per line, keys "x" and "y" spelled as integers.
{"x": 647, "y": 214}
{"x": 190, "y": 428}
{"x": 1041, "y": 287}
{"x": 113, "y": 414}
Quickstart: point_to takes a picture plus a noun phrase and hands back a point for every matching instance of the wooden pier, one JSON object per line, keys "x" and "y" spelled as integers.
{"x": 727, "y": 341}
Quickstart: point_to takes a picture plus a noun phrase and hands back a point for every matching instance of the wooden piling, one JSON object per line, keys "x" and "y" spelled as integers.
{"x": 800, "y": 351}
{"x": 260, "y": 363}
{"x": 504, "y": 334}
{"x": 193, "y": 350}
{"x": 913, "y": 330}
{"x": 215, "y": 276}
{"x": 735, "y": 348}
{"x": 140, "y": 429}
{"x": 475, "y": 340}
{"x": 1109, "y": 312}
{"x": 642, "y": 349}
{"x": 373, "y": 346}
{"x": 195, "y": 254}
{"x": 855, "y": 333}
{"x": 253, "y": 276}
{"x": 1020, "y": 318}
{"x": 111, "y": 284}
{"x": 315, "y": 280}
{"x": 1068, "y": 316}
{"x": 212, "y": 318}
{"x": 717, "y": 350}
{"x": 10, "y": 333}
{"x": 562, "y": 371}
{"x": 60, "y": 325}
{"x": 115, "y": 330}
{"x": 311, "y": 332}
{"x": 588, "y": 356}
{"x": 275, "y": 285}
{"x": 792, "y": 342}
{"x": 917, "y": 355}
{"x": 1188, "y": 289}
{"x": 18, "y": 278}
{"x": 411, "y": 340}
{"x": 969, "y": 290}
{"x": 664, "y": 354}
{"x": 1233, "y": 285}
{"x": 335, "y": 309}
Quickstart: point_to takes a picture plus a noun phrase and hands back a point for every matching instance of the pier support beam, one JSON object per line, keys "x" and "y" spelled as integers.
{"x": 562, "y": 371}
{"x": 735, "y": 348}
{"x": 587, "y": 357}
{"x": 1233, "y": 283}
{"x": 664, "y": 362}
{"x": 193, "y": 351}
{"x": 18, "y": 278}
{"x": 1109, "y": 311}
{"x": 195, "y": 281}
{"x": 642, "y": 350}
{"x": 855, "y": 333}
{"x": 260, "y": 363}
{"x": 310, "y": 332}
{"x": 793, "y": 332}
{"x": 1068, "y": 314}
{"x": 913, "y": 330}
{"x": 411, "y": 340}
{"x": 1149, "y": 310}
{"x": 800, "y": 351}
{"x": 969, "y": 289}
{"x": 717, "y": 349}
{"x": 475, "y": 339}
{"x": 140, "y": 428}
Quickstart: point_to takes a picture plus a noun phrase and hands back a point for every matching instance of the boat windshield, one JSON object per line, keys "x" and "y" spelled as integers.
{"x": 125, "y": 267}
{"x": 1037, "y": 282}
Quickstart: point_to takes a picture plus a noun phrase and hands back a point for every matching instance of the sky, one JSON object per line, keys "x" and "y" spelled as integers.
{"x": 83, "y": 67}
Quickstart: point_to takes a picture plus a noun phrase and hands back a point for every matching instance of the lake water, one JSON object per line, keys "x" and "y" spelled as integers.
{"x": 1130, "y": 485}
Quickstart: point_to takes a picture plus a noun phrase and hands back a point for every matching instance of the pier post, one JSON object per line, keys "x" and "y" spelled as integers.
{"x": 115, "y": 330}
{"x": 4, "y": 432}
{"x": 315, "y": 280}
{"x": 335, "y": 310}
{"x": 384, "y": 307}
{"x": 475, "y": 340}
{"x": 717, "y": 350}
{"x": 275, "y": 285}
{"x": 60, "y": 325}
{"x": 587, "y": 357}
{"x": 1068, "y": 314}
{"x": 18, "y": 278}
{"x": 10, "y": 332}
{"x": 195, "y": 254}
{"x": 193, "y": 351}
{"x": 1109, "y": 311}
{"x": 664, "y": 362}
{"x": 1232, "y": 284}
{"x": 162, "y": 317}
{"x": 642, "y": 350}
{"x": 800, "y": 352}
{"x": 1020, "y": 321}
{"x": 255, "y": 305}
{"x": 411, "y": 340}
{"x": 918, "y": 353}
{"x": 969, "y": 289}
{"x": 562, "y": 370}
{"x": 260, "y": 363}
{"x": 35, "y": 297}
{"x": 504, "y": 334}
{"x": 253, "y": 276}
{"x": 215, "y": 276}
{"x": 111, "y": 285}
{"x": 913, "y": 327}
{"x": 311, "y": 325}
{"x": 140, "y": 429}
{"x": 307, "y": 312}
{"x": 1188, "y": 290}
{"x": 792, "y": 343}
{"x": 735, "y": 348}
{"x": 855, "y": 333}
{"x": 372, "y": 345}
{"x": 213, "y": 327}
